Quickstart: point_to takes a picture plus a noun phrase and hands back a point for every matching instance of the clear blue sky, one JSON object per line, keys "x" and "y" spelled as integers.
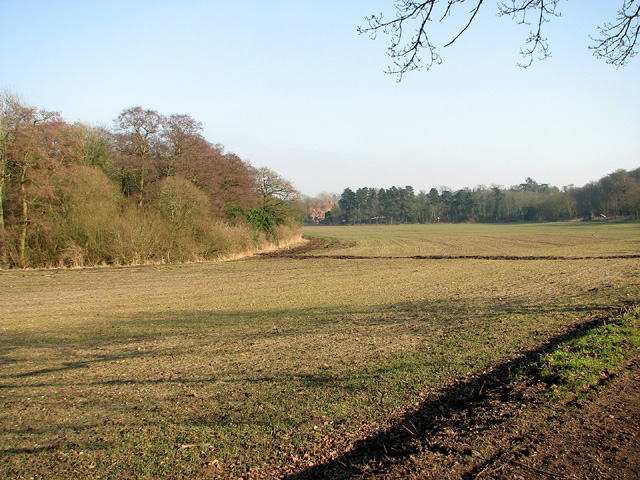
{"x": 290, "y": 85}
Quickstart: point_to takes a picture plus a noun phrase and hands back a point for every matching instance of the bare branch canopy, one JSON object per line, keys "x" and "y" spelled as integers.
{"x": 409, "y": 30}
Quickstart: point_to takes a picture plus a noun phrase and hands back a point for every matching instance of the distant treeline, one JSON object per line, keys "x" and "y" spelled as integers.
{"x": 615, "y": 196}
{"x": 150, "y": 189}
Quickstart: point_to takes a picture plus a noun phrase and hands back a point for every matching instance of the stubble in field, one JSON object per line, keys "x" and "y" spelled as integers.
{"x": 227, "y": 367}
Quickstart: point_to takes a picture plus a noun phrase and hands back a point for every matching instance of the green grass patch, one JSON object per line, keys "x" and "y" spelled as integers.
{"x": 581, "y": 364}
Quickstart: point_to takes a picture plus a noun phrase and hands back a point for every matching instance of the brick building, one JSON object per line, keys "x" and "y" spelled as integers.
{"x": 317, "y": 211}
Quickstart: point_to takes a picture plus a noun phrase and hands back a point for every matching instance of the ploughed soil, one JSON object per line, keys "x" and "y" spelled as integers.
{"x": 597, "y": 439}
{"x": 490, "y": 426}
{"x": 506, "y": 430}
{"x": 309, "y": 245}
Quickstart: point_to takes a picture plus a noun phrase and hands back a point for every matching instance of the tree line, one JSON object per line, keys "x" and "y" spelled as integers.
{"x": 149, "y": 189}
{"x": 616, "y": 195}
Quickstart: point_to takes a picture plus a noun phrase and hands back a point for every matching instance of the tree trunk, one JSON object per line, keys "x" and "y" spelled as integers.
{"x": 3, "y": 178}
{"x": 3, "y": 173}
{"x": 141, "y": 199}
{"x": 3, "y": 247}
{"x": 25, "y": 216}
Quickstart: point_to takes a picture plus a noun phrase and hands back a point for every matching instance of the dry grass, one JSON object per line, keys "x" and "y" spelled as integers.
{"x": 550, "y": 239}
{"x": 223, "y": 368}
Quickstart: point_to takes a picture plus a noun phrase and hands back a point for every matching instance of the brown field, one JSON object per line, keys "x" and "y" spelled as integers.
{"x": 269, "y": 366}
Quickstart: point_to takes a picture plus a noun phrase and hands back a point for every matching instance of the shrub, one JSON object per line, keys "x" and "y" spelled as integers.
{"x": 180, "y": 202}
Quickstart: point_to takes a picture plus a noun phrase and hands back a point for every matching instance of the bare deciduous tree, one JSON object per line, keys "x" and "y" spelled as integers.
{"x": 274, "y": 190}
{"x": 182, "y": 135}
{"x": 138, "y": 135}
{"x": 409, "y": 30}
{"x": 278, "y": 196}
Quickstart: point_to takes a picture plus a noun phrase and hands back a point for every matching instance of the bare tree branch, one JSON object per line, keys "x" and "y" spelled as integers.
{"x": 405, "y": 58}
{"x": 618, "y": 41}
{"x": 544, "y": 9}
{"x": 617, "y": 44}
{"x": 474, "y": 12}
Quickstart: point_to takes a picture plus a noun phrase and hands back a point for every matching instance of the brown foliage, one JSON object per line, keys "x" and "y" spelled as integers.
{"x": 58, "y": 205}
{"x": 151, "y": 146}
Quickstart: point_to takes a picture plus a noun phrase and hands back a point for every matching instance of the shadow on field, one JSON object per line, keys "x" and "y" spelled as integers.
{"x": 66, "y": 366}
{"x": 78, "y": 376}
{"x": 135, "y": 338}
{"x": 376, "y": 453}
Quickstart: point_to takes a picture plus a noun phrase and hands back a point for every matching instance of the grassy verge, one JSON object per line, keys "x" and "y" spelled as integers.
{"x": 576, "y": 367}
